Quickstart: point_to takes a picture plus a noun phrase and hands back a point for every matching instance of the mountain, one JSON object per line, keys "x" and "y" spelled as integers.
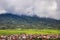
{"x": 11, "y": 21}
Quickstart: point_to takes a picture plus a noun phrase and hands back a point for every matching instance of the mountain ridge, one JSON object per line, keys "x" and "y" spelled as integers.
{"x": 11, "y": 21}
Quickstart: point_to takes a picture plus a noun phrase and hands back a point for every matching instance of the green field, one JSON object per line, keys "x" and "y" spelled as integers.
{"x": 29, "y": 31}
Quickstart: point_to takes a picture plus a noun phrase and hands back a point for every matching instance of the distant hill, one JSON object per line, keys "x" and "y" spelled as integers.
{"x": 11, "y": 21}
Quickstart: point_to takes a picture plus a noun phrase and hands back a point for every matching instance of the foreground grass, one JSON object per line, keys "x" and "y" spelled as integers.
{"x": 29, "y": 31}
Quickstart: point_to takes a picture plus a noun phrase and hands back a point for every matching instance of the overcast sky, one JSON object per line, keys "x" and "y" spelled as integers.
{"x": 41, "y": 8}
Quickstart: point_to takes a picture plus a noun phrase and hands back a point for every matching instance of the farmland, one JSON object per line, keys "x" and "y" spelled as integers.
{"x": 29, "y": 31}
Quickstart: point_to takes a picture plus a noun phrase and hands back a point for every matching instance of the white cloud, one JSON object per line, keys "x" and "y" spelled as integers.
{"x": 41, "y": 8}
{"x": 2, "y": 11}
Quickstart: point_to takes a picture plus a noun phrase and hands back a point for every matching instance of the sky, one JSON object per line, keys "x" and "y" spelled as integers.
{"x": 40, "y": 8}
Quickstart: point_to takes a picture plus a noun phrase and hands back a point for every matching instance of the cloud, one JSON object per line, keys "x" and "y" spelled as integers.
{"x": 2, "y": 11}
{"x": 41, "y": 8}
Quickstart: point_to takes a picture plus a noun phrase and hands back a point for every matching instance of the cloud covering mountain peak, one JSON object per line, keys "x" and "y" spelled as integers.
{"x": 41, "y": 8}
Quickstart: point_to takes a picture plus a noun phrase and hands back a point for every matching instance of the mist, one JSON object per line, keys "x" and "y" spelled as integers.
{"x": 40, "y": 8}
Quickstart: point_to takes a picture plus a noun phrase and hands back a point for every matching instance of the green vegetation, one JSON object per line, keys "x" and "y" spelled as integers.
{"x": 29, "y": 31}
{"x": 10, "y": 21}
{"x": 28, "y": 25}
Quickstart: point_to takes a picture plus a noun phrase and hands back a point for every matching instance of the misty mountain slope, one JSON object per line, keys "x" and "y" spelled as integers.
{"x": 10, "y": 21}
